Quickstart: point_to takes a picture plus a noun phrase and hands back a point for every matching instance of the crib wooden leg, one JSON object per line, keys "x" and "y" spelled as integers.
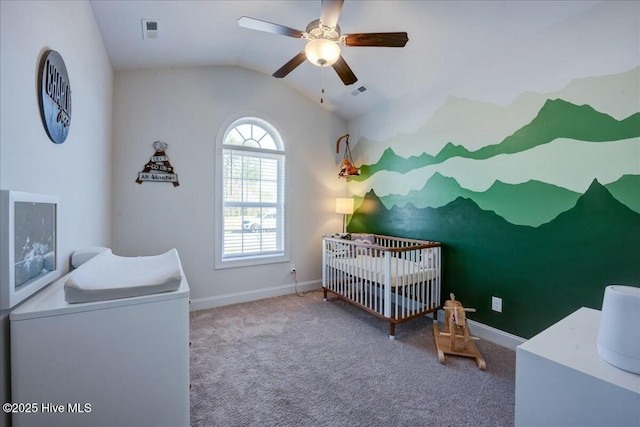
{"x": 392, "y": 330}
{"x": 325, "y": 293}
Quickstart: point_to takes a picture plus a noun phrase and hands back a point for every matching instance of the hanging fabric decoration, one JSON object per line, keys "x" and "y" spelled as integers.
{"x": 158, "y": 168}
{"x": 346, "y": 166}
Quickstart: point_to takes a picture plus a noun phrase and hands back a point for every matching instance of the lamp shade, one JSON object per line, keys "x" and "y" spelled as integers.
{"x": 344, "y": 205}
{"x": 619, "y": 335}
{"x": 322, "y": 52}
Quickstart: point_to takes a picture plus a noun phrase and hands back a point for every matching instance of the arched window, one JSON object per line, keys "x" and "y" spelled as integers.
{"x": 253, "y": 202}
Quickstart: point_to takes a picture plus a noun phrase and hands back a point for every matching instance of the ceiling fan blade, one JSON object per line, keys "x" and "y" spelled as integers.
{"x": 330, "y": 12}
{"x": 290, "y": 66}
{"x": 268, "y": 27}
{"x": 377, "y": 39}
{"x": 345, "y": 73}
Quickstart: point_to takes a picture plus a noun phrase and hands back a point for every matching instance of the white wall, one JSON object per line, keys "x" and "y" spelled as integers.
{"x": 600, "y": 40}
{"x": 79, "y": 170}
{"x": 186, "y": 108}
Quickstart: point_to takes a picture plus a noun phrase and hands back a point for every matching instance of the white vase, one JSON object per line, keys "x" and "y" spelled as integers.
{"x": 619, "y": 333}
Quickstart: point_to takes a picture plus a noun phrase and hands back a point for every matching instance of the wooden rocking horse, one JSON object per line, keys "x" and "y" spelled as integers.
{"x": 456, "y": 338}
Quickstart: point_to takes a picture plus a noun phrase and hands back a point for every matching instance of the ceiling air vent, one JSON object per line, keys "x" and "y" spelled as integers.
{"x": 150, "y": 29}
{"x": 360, "y": 90}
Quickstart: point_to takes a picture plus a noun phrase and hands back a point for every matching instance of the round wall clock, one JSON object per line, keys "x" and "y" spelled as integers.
{"x": 55, "y": 96}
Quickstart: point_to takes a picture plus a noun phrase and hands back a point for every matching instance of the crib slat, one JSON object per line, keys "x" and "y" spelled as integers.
{"x": 398, "y": 272}
{"x": 387, "y": 284}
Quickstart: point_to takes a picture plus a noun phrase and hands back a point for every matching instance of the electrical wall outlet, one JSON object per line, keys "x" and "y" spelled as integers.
{"x": 292, "y": 268}
{"x": 496, "y": 304}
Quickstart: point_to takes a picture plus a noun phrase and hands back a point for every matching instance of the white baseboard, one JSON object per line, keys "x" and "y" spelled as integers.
{"x": 254, "y": 295}
{"x": 496, "y": 336}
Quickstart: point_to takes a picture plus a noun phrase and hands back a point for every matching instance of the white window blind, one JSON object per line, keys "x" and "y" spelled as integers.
{"x": 253, "y": 174}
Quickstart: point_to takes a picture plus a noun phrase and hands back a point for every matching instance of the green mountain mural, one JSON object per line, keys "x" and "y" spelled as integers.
{"x": 556, "y": 119}
{"x": 475, "y": 123}
{"x": 530, "y": 203}
{"x": 627, "y": 190}
{"x": 542, "y": 274}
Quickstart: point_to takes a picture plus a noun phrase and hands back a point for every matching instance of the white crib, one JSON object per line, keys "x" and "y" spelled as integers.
{"x": 394, "y": 278}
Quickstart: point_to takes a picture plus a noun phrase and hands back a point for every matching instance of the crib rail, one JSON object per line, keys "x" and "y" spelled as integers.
{"x": 394, "y": 278}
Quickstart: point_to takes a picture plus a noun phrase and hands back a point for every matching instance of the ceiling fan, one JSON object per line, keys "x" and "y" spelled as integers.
{"x": 324, "y": 39}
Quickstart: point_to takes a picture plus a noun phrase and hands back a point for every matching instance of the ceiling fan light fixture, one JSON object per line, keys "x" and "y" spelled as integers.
{"x": 324, "y": 38}
{"x": 322, "y": 52}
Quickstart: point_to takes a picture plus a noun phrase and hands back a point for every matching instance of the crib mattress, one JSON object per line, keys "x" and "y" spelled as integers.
{"x": 109, "y": 276}
{"x": 367, "y": 267}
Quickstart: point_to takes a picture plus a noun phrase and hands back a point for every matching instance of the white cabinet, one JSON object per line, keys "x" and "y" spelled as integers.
{"x": 110, "y": 363}
{"x": 562, "y": 381}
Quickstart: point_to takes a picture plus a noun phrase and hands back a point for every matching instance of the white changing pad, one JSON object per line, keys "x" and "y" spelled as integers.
{"x": 108, "y": 276}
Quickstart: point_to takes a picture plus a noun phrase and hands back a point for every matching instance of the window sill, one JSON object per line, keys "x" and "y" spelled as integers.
{"x": 250, "y": 261}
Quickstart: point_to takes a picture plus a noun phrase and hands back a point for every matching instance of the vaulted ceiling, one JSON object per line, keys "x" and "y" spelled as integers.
{"x": 443, "y": 36}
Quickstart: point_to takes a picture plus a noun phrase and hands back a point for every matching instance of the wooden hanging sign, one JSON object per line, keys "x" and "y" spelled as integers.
{"x": 158, "y": 168}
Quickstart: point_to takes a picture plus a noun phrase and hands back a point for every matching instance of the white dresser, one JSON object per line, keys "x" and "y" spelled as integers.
{"x": 561, "y": 380}
{"x": 111, "y": 363}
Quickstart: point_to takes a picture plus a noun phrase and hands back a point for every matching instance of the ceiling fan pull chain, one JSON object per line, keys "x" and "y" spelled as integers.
{"x": 322, "y": 84}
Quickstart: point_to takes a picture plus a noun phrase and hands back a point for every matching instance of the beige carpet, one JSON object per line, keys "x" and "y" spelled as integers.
{"x": 301, "y": 361}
